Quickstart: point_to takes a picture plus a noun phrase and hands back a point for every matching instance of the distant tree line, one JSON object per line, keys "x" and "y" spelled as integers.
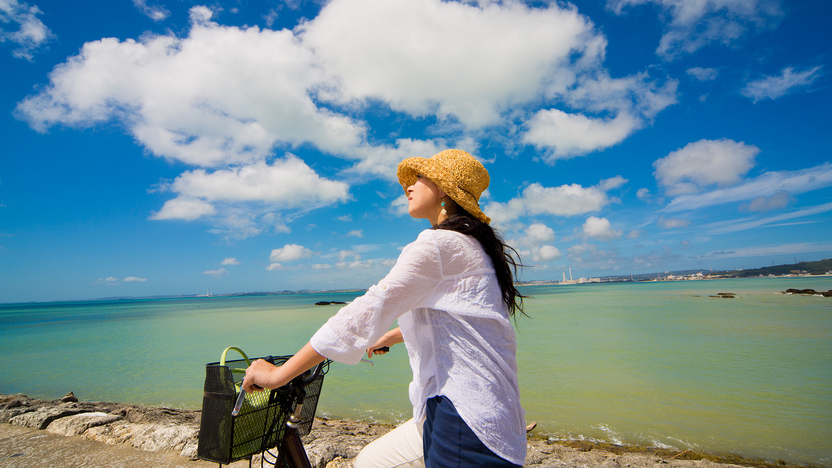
{"x": 813, "y": 268}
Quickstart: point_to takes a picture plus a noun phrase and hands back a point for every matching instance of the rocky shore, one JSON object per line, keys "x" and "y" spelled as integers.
{"x": 69, "y": 432}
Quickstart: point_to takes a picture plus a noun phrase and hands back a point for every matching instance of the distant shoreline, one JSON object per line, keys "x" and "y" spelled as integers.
{"x": 600, "y": 280}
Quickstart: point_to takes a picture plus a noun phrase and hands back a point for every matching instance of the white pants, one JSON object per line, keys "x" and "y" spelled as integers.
{"x": 399, "y": 448}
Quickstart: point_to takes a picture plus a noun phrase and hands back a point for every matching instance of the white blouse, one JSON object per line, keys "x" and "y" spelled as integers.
{"x": 444, "y": 292}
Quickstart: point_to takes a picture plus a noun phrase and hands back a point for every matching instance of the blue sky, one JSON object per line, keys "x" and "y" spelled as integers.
{"x": 161, "y": 147}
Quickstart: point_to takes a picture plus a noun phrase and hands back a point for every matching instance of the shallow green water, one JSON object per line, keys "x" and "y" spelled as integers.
{"x": 649, "y": 363}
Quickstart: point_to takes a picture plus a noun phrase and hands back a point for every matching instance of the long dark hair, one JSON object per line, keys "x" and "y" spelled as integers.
{"x": 502, "y": 254}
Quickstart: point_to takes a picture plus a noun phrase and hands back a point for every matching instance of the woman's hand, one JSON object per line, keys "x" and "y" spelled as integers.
{"x": 390, "y": 338}
{"x": 257, "y": 374}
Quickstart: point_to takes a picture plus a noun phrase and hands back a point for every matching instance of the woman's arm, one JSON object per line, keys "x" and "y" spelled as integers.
{"x": 390, "y": 338}
{"x": 266, "y": 375}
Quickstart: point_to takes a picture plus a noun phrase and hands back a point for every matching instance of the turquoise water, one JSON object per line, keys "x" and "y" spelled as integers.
{"x": 637, "y": 363}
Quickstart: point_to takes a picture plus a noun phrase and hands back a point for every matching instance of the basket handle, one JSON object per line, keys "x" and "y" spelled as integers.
{"x": 222, "y": 359}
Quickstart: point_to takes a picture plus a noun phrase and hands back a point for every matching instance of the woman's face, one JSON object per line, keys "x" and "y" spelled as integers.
{"x": 424, "y": 199}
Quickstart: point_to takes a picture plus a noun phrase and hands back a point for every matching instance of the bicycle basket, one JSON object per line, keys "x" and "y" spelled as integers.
{"x": 261, "y": 423}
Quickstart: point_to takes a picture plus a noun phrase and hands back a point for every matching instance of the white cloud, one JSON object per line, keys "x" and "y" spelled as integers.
{"x": 566, "y": 200}
{"x": 184, "y": 208}
{"x": 765, "y": 185}
{"x": 773, "y": 87}
{"x": 209, "y": 99}
{"x": 627, "y": 105}
{"x": 156, "y": 13}
{"x": 216, "y": 273}
{"x": 230, "y": 261}
{"x": 703, "y": 74}
{"x": 109, "y": 281}
{"x": 643, "y": 194}
{"x": 694, "y": 24}
{"x": 290, "y": 253}
{"x": 534, "y": 243}
{"x": 736, "y": 225}
{"x": 538, "y": 233}
{"x": 286, "y": 183}
{"x": 545, "y": 253}
{"x": 599, "y": 228}
{"x": 31, "y": 33}
{"x": 399, "y": 53}
{"x": 247, "y": 200}
{"x": 699, "y": 164}
{"x": 133, "y": 279}
{"x": 666, "y": 223}
{"x": 399, "y": 206}
{"x": 761, "y": 204}
{"x": 575, "y": 134}
{"x": 356, "y": 233}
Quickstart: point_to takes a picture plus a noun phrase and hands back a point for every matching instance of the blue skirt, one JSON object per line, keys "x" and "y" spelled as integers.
{"x": 449, "y": 442}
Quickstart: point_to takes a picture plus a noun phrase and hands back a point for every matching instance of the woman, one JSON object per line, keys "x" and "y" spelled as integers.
{"x": 453, "y": 294}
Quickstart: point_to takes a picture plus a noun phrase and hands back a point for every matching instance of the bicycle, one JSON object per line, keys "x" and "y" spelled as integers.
{"x": 235, "y": 426}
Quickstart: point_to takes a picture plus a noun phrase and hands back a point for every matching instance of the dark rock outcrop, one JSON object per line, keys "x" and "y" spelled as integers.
{"x": 808, "y": 292}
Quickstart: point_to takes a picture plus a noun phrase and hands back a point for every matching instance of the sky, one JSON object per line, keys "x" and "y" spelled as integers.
{"x": 163, "y": 147}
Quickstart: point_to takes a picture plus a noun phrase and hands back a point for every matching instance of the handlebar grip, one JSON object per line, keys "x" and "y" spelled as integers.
{"x": 313, "y": 373}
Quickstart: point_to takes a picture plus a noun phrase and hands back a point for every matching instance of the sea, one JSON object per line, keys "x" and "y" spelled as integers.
{"x": 661, "y": 364}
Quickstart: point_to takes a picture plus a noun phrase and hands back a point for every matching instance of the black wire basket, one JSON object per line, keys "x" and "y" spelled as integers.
{"x": 261, "y": 423}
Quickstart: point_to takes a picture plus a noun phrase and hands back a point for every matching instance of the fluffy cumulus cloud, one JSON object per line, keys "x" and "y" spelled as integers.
{"x": 565, "y": 200}
{"x": 691, "y": 25}
{"x": 288, "y": 253}
{"x": 535, "y": 243}
{"x": 613, "y": 109}
{"x": 230, "y": 261}
{"x": 397, "y": 52}
{"x": 287, "y": 184}
{"x": 773, "y": 87}
{"x": 226, "y": 99}
{"x": 20, "y": 26}
{"x": 184, "y": 208}
{"x": 227, "y": 95}
{"x": 222, "y": 95}
{"x": 704, "y": 163}
{"x": 599, "y": 228}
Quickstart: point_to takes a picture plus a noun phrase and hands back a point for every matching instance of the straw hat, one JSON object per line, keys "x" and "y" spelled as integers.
{"x": 454, "y": 171}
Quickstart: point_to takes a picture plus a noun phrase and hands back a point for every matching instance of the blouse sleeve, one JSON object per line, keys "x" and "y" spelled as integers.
{"x": 346, "y": 336}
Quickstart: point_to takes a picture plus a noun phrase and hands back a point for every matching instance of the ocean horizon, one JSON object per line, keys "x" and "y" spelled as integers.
{"x": 650, "y": 363}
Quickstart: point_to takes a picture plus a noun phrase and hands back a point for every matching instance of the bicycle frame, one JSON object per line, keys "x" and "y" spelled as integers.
{"x": 291, "y": 453}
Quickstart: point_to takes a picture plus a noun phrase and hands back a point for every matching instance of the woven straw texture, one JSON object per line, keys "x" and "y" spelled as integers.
{"x": 454, "y": 171}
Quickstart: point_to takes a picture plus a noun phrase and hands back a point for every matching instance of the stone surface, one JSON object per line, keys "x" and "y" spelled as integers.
{"x": 77, "y": 424}
{"x": 97, "y": 434}
{"x": 42, "y": 417}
